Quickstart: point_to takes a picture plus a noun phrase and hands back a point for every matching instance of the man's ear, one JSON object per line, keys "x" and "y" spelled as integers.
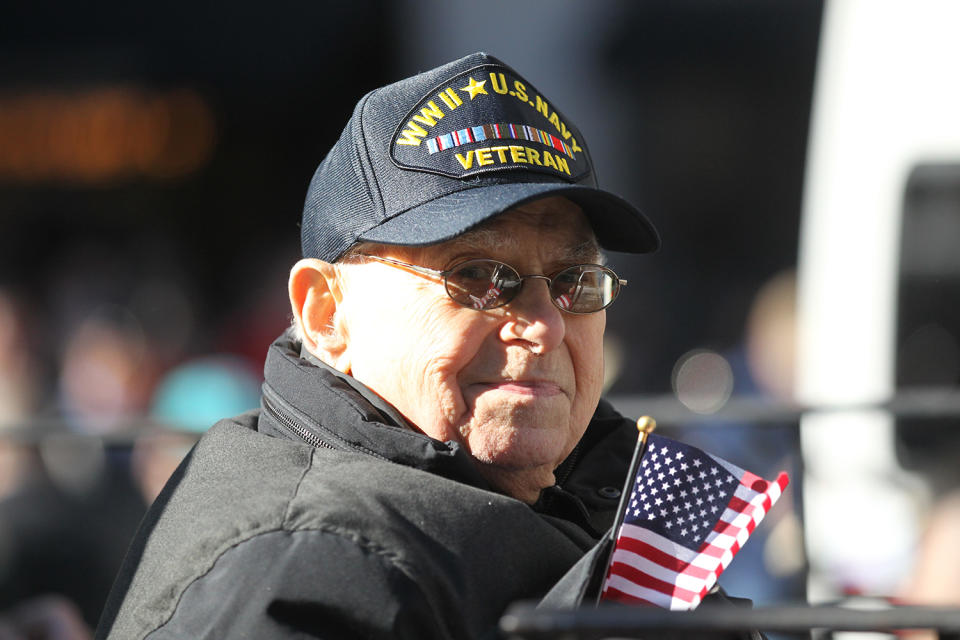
{"x": 315, "y": 297}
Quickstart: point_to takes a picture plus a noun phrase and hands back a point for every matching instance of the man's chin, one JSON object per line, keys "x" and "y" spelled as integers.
{"x": 519, "y": 449}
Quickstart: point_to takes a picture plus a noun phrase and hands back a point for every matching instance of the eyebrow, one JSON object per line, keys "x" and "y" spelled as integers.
{"x": 587, "y": 251}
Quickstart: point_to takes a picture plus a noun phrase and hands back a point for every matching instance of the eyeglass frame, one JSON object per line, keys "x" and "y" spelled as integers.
{"x": 621, "y": 282}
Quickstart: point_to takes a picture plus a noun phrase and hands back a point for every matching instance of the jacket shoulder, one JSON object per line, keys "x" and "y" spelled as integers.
{"x": 234, "y": 484}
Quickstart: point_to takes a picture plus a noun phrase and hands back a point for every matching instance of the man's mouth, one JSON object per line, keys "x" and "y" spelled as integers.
{"x": 537, "y": 388}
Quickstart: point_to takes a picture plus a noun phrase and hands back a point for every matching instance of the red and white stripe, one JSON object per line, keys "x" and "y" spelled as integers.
{"x": 648, "y": 568}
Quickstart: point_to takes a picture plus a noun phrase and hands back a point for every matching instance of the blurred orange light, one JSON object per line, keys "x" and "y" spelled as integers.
{"x": 103, "y": 135}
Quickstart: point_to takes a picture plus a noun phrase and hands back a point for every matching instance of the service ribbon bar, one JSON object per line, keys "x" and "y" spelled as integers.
{"x": 495, "y": 132}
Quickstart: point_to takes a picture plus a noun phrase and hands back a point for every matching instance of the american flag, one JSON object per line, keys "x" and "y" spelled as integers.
{"x": 492, "y": 292}
{"x": 688, "y": 513}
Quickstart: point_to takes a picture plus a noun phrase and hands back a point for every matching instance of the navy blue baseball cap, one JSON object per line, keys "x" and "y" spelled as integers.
{"x": 425, "y": 159}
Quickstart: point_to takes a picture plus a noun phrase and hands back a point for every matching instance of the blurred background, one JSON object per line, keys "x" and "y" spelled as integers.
{"x": 802, "y": 166}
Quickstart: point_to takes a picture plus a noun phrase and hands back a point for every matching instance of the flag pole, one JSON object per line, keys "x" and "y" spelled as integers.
{"x": 645, "y": 426}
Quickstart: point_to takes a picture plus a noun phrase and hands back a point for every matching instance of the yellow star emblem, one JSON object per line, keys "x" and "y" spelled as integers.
{"x": 475, "y": 88}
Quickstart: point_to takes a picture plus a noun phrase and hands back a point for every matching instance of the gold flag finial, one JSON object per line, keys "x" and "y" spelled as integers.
{"x": 646, "y": 424}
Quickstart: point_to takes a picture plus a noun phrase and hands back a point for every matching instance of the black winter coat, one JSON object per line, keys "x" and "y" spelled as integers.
{"x": 322, "y": 516}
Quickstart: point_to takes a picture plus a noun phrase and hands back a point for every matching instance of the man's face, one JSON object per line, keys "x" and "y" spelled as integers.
{"x": 516, "y": 385}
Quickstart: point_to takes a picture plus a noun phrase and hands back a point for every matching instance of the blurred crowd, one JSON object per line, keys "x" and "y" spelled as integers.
{"x": 102, "y": 393}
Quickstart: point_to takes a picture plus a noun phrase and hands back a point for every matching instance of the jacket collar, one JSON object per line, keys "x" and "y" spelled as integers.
{"x": 390, "y": 414}
{"x": 341, "y": 413}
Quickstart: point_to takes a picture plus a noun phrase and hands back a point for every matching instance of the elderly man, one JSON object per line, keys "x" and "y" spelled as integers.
{"x": 431, "y": 444}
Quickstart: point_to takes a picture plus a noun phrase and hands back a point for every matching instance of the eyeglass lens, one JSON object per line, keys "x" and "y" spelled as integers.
{"x": 487, "y": 284}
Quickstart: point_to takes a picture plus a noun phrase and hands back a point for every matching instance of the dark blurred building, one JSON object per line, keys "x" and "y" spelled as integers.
{"x": 171, "y": 144}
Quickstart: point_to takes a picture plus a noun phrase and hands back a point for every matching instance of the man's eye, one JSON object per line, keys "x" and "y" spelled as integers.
{"x": 569, "y": 277}
{"x": 473, "y": 273}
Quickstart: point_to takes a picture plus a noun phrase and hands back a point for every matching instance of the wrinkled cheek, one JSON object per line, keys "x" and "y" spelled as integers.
{"x": 441, "y": 403}
{"x": 450, "y": 403}
{"x": 587, "y": 398}
{"x": 588, "y": 370}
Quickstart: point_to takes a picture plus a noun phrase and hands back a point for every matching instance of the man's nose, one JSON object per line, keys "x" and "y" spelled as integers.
{"x": 532, "y": 317}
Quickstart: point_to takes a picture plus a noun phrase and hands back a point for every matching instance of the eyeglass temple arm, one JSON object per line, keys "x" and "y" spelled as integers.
{"x": 412, "y": 267}
{"x": 427, "y": 271}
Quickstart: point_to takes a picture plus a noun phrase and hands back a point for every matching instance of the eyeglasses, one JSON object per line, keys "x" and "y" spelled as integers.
{"x": 487, "y": 284}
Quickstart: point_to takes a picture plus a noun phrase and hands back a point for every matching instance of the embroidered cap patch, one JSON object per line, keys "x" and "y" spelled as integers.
{"x": 484, "y": 120}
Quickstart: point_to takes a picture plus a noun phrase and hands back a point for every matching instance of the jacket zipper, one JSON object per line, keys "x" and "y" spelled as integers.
{"x": 292, "y": 425}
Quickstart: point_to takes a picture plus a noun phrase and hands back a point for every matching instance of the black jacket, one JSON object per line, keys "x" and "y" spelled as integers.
{"x": 323, "y": 516}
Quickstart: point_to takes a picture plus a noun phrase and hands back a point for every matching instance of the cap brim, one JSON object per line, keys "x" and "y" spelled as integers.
{"x": 619, "y": 226}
